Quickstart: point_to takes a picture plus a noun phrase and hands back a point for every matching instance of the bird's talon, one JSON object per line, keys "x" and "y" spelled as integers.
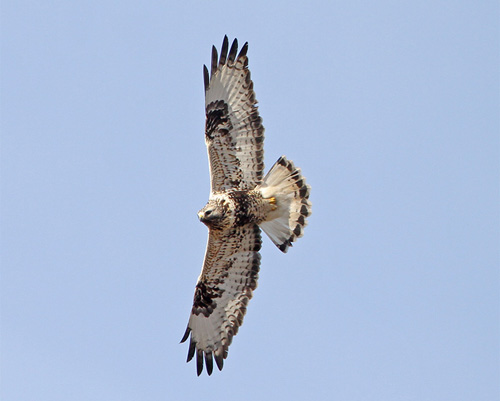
{"x": 272, "y": 201}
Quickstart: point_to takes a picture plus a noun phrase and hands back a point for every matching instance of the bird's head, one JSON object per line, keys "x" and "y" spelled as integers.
{"x": 214, "y": 213}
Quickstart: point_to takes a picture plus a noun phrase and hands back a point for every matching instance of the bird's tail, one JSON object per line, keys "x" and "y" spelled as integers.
{"x": 288, "y": 195}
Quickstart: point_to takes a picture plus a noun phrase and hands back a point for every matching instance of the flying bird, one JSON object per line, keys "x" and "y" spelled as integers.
{"x": 242, "y": 201}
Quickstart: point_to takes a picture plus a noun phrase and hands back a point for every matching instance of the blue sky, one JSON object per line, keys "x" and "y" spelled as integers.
{"x": 390, "y": 108}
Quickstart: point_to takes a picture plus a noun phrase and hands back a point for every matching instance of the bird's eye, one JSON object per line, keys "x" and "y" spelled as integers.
{"x": 208, "y": 213}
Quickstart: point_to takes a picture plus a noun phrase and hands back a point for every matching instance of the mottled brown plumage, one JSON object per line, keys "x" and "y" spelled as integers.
{"x": 241, "y": 203}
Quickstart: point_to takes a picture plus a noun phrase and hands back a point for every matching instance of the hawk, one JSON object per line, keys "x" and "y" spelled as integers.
{"x": 242, "y": 201}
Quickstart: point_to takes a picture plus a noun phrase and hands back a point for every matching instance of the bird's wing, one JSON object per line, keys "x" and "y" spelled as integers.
{"x": 233, "y": 129}
{"x": 225, "y": 286}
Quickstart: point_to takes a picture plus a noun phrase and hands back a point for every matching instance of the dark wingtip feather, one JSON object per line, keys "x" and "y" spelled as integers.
{"x": 206, "y": 78}
{"x": 232, "y": 52}
{"x": 223, "y": 52}
{"x": 219, "y": 360}
{"x": 199, "y": 362}
{"x": 215, "y": 61}
{"x": 209, "y": 362}
{"x": 243, "y": 51}
{"x": 186, "y": 335}
{"x": 192, "y": 349}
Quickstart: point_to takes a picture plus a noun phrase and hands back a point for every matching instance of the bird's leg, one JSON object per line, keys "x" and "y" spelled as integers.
{"x": 272, "y": 202}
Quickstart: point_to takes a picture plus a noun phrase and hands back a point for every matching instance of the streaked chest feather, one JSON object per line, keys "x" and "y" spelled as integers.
{"x": 247, "y": 207}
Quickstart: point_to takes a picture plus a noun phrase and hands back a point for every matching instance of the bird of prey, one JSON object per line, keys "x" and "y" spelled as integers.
{"x": 242, "y": 201}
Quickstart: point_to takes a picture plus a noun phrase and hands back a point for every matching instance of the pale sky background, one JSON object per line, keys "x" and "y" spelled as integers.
{"x": 390, "y": 108}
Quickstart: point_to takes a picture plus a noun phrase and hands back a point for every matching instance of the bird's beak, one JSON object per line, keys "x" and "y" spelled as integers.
{"x": 200, "y": 215}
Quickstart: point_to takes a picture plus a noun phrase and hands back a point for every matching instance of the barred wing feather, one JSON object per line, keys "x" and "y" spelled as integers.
{"x": 233, "y": 130}
{"x": 226, "y": 284}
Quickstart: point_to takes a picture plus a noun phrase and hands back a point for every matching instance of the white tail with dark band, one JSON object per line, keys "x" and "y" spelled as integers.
{"x": 286, "y": 185}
